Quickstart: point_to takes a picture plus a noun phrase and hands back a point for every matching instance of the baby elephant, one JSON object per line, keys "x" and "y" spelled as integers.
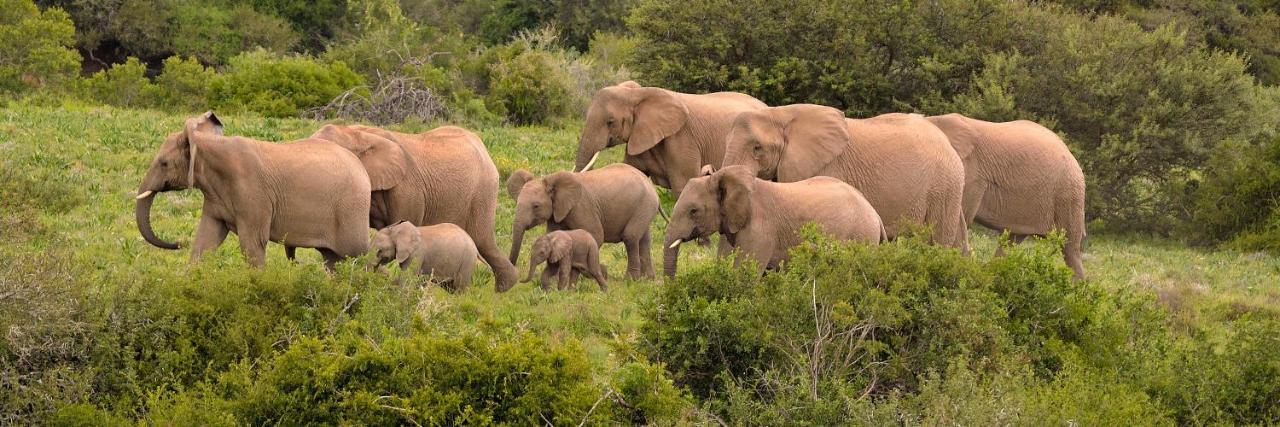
{"x": 567, "y": 254}
{"x": 443, "y": 251}
{"x": 762, "y": 218}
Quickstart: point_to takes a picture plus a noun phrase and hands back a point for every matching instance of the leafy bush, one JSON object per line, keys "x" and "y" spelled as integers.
{"x": 35, "y": 47}
{"x": 123, "y": 85}
{"x": 1238, "y": 198}
{"x": 1228, "y": 380}
{"x": 279, "y": 86}
{"x": 184, "y": 84}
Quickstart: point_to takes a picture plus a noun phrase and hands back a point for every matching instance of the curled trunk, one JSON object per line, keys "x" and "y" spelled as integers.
{"x": 142, "y": 213}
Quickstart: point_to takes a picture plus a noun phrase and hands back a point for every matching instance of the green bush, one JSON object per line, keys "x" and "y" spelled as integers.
{"x": 279, "y": 86}
{"x": 1227, "y": 380}
{"x": 1238, "y": 197}
{"x": 184, "y": 84}
{"x": 35, "y": 47}
{"x": 123, "y": 85}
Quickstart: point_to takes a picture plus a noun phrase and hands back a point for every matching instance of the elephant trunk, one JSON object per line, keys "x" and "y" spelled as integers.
{"x": 533, "y": 266}
{"x": 517, "y": 239}
{"x": 142, "y": 212}
{"x": 595, "y": 138}
{"x": 670, "y": 257}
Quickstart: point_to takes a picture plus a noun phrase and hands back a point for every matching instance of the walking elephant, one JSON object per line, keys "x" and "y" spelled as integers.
{"x": 902, "y": 163}
{"x": 567, "y": 254}
{"x": 613, "y": 204}
{"x": 669, "y": 135}
{"x": 762, "y": 218}
{"x": 443, "y": 251}
{"x": 443, "y": 175}
{"x": 1021, "y": 178}
{"x": 262, "y": 192}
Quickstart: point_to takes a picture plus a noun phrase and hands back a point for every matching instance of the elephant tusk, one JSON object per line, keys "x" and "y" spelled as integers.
{"x": 143, "y": 195}
{"x": 590, "y": 162}
{"x": 674, "y": 244}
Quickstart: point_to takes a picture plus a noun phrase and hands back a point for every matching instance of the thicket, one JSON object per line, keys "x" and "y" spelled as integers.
{"x": 907, "y": 330}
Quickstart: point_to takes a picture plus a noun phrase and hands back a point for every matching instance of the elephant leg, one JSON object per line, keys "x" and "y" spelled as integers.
{"x": 253, "y": 244}
{"x": 634, "y": 269}
{"x": 565, "y": 270}
{"x": 290, "y": 252}
{"x": 949, "y": 225}
{"x": 596, "y": 271}
{"x": 1070, "y": 217}
{"x": 574, "y": 275}
{"x": 1014, "y": 239}
{"x": 480, "y": 228}
{"x": 548, "y": 272}
{"x": 646, "y": 254}
{"x": 209, "y": 235}
{"x": 724, "y": 248}
{"x": 331, "y": 258}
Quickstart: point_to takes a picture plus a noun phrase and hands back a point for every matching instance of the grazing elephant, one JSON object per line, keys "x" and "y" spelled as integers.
{"x": 261, "y": 191}
{"x": 762, "y": 218}
{"x": 444, "y": 175}
{"x": 1021, "y": 178}
{"x": 442, "y": 251}
{"x": 901, "y": 162}
{"x": 567, "y": 253}
{"x": 614, "y": 204}
{"x": 669, "y": 135}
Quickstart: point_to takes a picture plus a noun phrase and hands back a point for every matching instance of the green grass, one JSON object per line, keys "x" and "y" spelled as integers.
{"x": 68, "y": 179}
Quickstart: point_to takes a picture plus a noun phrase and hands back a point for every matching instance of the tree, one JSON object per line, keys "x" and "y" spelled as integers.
{"x": 35, "y": 47}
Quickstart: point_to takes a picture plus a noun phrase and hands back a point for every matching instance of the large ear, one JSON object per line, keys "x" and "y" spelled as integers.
{"x": 815, "y": 135}
{"x": 959, "y": 132}
{"x": 561, "y": 247}
{"x": 735, "y": 184}
{"x": 406, "y": 238}
{"x": 565, "y": 191}
{"x": 206, "y": 123}
{"x": 385, "y": 161}
{"x": 516, "y": 181}
{"x": 658, "y": 115}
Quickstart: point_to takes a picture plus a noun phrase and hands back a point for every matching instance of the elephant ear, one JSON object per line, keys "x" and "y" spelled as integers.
{"x": 735, "y": 184}
{"x": 658, "y": 115}
{"x": 204, "y": 123}
{"x": 516, "y": 181}
{"x": 561, "y": 247}
{"x": 385, "y": 161}
{"x": 815, "y": 135}
{"x": 405, "y": 238}
{"x": 959, "y": 131}
{"x": 566, "y": 192}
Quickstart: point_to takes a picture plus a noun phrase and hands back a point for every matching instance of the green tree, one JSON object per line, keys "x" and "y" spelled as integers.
{"x": 35, "y": 47}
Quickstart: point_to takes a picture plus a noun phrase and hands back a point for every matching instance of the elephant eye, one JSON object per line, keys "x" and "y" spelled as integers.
{"x": 164, "y": 163}
{"x": 609, "y": 122}
{"x": 758, "y": 148}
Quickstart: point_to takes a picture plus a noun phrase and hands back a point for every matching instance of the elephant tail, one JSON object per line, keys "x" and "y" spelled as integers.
{"x": 665, "y": 219}
{"x": 482, "y": 261}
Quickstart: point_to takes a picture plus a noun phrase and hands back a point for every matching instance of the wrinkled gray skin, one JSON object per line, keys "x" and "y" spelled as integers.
{"x": 1021, "y": 178}
{"x": 669, "y": 135}
{"x": 443, "y": 251}
{"x": 903, "y": 164}
{"x": 261, "y": 191}
{"x": 567, "y": 254}
{"x": 443, "y": 175}
{"x": 615, "y": 204}
{"x": 762, "y": 219}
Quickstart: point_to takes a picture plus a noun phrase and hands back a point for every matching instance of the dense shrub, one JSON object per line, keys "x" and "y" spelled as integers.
{"x": 35, "y": 47}
{"x": 575, "y": 21}
{"x": 123, "y": 85}
{"x": 184, "y": 84}
{"x": 1238, "y": 198}
{"x": 279, "y": 86}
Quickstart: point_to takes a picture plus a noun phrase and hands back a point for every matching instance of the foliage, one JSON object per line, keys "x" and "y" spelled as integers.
{"x": 35, "y": 47}
{"x": 575, "y": 21}
{"x": 1239, "y": 197}
{"x": 123, "y": 85}
{"x": 279, "y": 86}
{"x": 184, "y": 84}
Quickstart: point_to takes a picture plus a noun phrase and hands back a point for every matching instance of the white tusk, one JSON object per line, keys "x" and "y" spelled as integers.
{"x": 674, "y": 244}
{"x": 590, "y": 162}
{"x": 143, "y": 195}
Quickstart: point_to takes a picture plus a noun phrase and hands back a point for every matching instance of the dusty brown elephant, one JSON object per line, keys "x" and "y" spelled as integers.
{"x": 901, "y": 162}
{"x": 567, "y": 254}
{"x": 442, "y": 251}
{"x": 669, "y": 135}
{"x": 1021, "y": 178}
{"x": 438, "y": 176}
{"x": 261, "y": 191}
{"x": 613, "y": 204}
{"x": 762, "y": 218}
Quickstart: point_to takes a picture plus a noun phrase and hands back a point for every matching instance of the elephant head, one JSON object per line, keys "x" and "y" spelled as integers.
{"x": 550, "y": 198}
{"x": 553, "y": 247}
{"x": 630, "y": 114}
{"x": 788, "y": 143}
{"x": 396, "y": 242}
{"x": 384, "y": 160}
{"x": 173, "y": 168}
{"x": 716, "y": 203}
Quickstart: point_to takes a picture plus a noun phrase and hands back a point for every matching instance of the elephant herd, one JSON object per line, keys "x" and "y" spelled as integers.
{"x": 752, "y": 173}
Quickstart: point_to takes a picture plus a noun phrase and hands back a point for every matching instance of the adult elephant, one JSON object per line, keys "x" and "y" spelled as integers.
{"x": 444, "y": 175}
{"x": 902, "y": 163}
{"x": 262, "y": 192}
{"x": 1021, "y": 178}
{"x": 669, "y": 135}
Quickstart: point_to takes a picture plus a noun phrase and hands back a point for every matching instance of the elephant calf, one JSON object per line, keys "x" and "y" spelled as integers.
{"x": 613, "y": 204}
{"x": 762, "y": 218}
{"x": 567, "y": 253}
{"x": 442, "y": 251}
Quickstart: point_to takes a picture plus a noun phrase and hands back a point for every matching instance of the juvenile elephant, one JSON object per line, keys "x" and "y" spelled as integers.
{"x": 1021, "y": 178}
{"x": 262, "y": 192}
{"x": 762, "y": 218}
{"x": 902, "y": 163}
{"x": 669, "y": 135}
{"x": 613, "y": 204}
{"x": 567, "y": 253}
{"x": 443, "y": 175}
{"x": 443, "y": 251}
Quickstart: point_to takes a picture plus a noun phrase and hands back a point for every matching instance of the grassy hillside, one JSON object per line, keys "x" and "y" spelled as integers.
{"x": 72, "y": 256}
